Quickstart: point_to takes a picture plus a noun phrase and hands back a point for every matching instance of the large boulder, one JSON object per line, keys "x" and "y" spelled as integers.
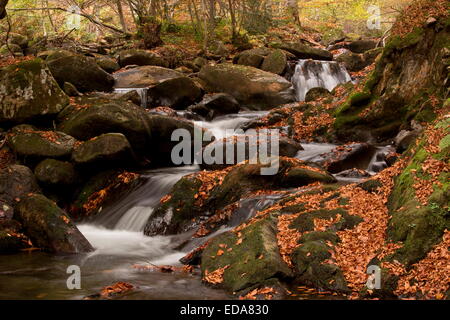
{"x": 55, "y": 173}
{"x": 252, "y": 87}
{"x": 16, "y": 182}
{"x": 99, "y": 116}
{"x": 177, "y": 93}
{"x": 29, "y": 92}
{"x": 49, "y": 227}
{"x": 40, "y": 144}
{"x": 81, "y": 71}
{"x": 11, "y": 238}
{"x": 248, "y": 260}
{"x": 162, "y": 128}
{"x": 105, "y": 150}
{"x": 303, "y": 51}
{"x": 166, "y": 87}
{"x": 215, "y": 105}
{"x": 145, "y": 76}
{"x": 140, "y": 58}
{"x": 108, "y": 64}
{"x": 275, "y": 62}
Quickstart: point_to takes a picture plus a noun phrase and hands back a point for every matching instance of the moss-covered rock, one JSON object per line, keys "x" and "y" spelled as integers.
{"x": 29, "y": 92}
{"x": 55, "y": 172}
{"x": 420, "y": 223}
{"x": 81, "y": 71}
{"x": 107, "y": 149}
{"x": 16, "y": 182}
{"x": 252, "y": 87}
{"x": 410, "y": 72}
{"x": 48, "y": 227}
{"x": 41, "y": 144}
{"x": 275, "y": 62}
{"x": 311, "y": 270}
{"x": 248, "y": 262}
{"x": 99, "y": 116}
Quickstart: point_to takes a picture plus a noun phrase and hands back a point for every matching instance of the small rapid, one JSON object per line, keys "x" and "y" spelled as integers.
{"x": 312, "y": 74}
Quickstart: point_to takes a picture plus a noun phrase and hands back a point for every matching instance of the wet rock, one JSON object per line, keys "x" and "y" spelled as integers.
{"x": 41, "y": 144}
{"x": 162, "y": 128}
{"x": 55, "y": 173}
{"x": 317, "y": 93}
{"x": 140, "y": 58}
{"x": 251, "y": 87}
{"x": 49, "y": 227}
{"x": 16, "y": 182}
{"x": 404, "y": 139}
{"x": 11, "y": 238}
{"x": 106, "y": 150}
{"x": 275, "y": 62}
{"x": 108, "y": 64}
{"x": 302, "y": 51}
{"x": 81, "y": 71}
{"x": 354, "y": 174}
{"x": 177, "y": 93}
{"x": 215, "y": 105}
{"x": 29, "y": 92}
{"x": 250, "y": 261}
{"x": 357, "y": 155}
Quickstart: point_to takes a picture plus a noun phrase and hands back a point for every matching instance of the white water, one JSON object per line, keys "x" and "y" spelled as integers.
{"x": 312, "y": 74}
{"x": 312, "y": 151}
{"x": 118, "y": 231}
{"x": 141, "y": 91}
{"x": 219, "y": 125}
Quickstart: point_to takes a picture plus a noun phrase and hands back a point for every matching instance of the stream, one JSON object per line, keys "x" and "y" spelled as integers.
{"x": 117, "y": 233}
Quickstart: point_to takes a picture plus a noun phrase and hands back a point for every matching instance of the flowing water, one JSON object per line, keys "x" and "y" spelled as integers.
{"x": 116, "y": 233}
{"x": 142, "y": 92}
{"x": 312, "y": 73}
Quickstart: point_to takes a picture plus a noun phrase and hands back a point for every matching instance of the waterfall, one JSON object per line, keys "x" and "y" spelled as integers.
{"x": 312, "y": 74}
{"x": 143, "y": 94}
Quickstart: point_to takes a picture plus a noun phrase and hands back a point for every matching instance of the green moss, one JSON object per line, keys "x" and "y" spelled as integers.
{"x": 251, "y": 262}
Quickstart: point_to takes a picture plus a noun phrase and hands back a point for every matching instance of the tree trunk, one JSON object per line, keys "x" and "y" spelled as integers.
{"x": 3, "y": 4}
{"x": 150, "y": 30}
{"x": 121, "y": 16}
